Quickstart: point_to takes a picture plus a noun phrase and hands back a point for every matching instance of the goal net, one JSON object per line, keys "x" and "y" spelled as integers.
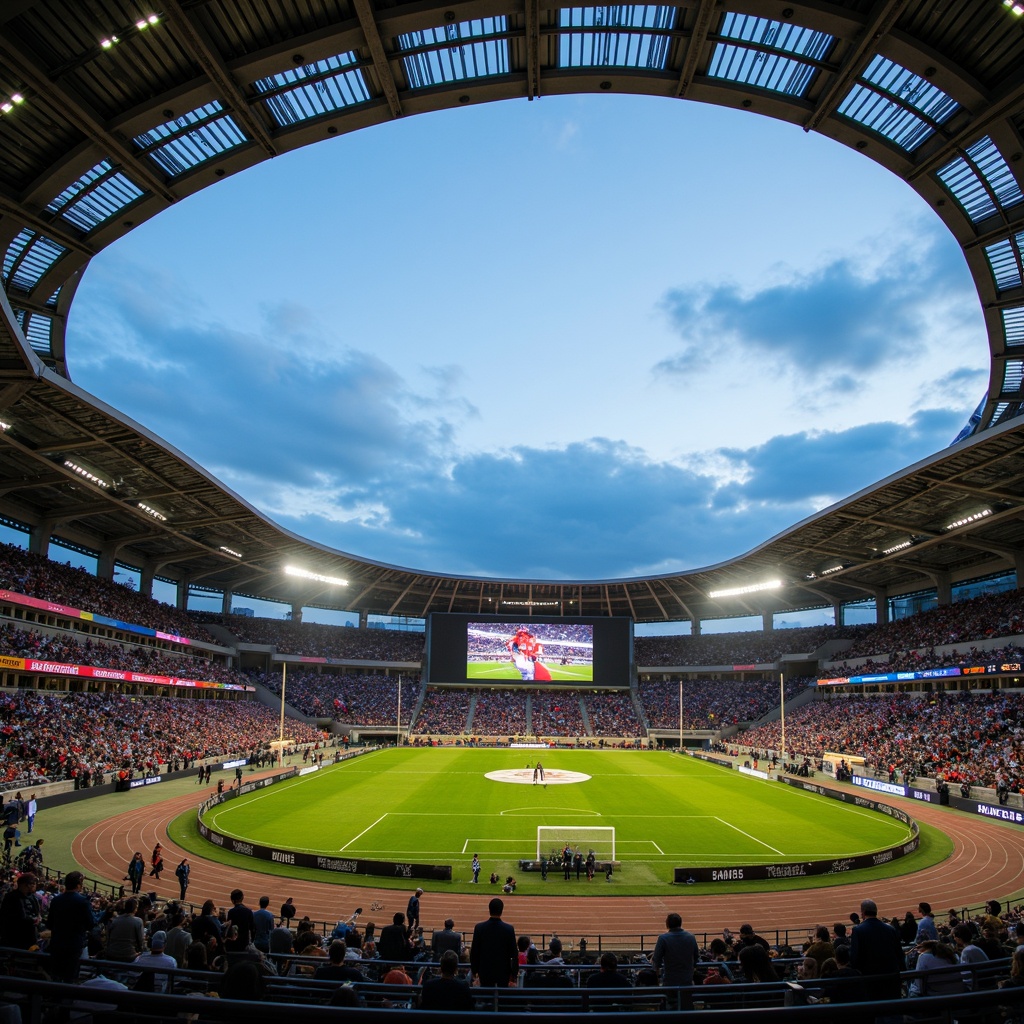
{"x": 553, "y": 839}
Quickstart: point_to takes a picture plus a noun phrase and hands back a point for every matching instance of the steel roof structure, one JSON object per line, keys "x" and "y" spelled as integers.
{"x": 113, "y": 110}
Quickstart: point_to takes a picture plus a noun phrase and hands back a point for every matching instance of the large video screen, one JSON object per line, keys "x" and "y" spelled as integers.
{"x": 529, "y": 651}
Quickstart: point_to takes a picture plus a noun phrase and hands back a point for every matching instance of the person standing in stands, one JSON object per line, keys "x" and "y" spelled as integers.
{"x": 241, "y": 917}
{"x": 70, "y": 920}
{"x": 675, "y": 954}
{"x": 494, "y": 955}
{"x": 876, "y": 952}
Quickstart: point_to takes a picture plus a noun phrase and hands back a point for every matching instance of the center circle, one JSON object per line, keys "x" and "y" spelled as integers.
{"x": 525, "y": 777}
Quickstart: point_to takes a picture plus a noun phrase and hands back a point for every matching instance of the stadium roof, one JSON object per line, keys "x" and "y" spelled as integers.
{"x": 114, "y": 110}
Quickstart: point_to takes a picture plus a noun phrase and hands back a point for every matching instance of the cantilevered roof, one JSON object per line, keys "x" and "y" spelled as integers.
{"x": 110, "y": 112}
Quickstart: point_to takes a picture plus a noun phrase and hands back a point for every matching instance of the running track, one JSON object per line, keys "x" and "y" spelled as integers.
{"x": 987, "y": 863}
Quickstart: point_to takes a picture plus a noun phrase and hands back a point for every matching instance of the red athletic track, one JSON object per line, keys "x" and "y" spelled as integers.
{"x": 987, "y": 863}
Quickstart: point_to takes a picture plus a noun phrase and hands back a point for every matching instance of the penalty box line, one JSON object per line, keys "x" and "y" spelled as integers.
{"x": 749, "y": 836}
{"x": 363, "y": 833}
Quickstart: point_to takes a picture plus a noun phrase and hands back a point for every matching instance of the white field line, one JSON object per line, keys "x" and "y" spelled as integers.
{"x": 749, "y": 836}
{"x": 363, "y": 833}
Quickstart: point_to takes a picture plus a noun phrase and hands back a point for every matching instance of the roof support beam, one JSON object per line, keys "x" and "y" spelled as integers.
{"x": 50, "y": 228}
{"x": 204, "y": 54}
{"x": 882, "y": 20}
{"x": 698, "y": 37}
{"x": 75, "y": 113}
{"x": 381, "y": 65}
{"x": 532, "y": 49}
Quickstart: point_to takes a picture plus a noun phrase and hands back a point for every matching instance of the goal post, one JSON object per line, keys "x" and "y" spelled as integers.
{"x": 600, "y": 839}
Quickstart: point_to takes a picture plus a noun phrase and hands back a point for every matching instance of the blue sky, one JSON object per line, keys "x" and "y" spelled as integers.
{"x": 585, "y": 337}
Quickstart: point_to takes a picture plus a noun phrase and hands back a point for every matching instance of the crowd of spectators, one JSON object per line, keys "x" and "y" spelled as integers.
{"x": 500, "y": 713}
{"x": 978, "y": 618}
{"x": 749, "y": 648}
{"x": 71, "y": 649}
{"x": 317, "y": 640}
{"x": 612, "y": 714}
{"x": 711, "y": 703}
{"x": 38, "y": 576}
{"x": 557, "y": 714}
{"x": 157, "y": 946}
{"x": 972, "y": 738}
{"x": 369, "y": 699}
{"x": 82, "y": 736}
{"x": 444, "y": 711}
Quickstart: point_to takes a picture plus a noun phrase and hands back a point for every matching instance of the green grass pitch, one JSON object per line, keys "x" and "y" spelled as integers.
{"x": 499, "y": 670}
{"x": 437, "y": 806}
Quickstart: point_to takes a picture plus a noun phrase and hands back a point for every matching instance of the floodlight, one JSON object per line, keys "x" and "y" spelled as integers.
{"x": 150, "y": 511}
{"x": 230, "y": 551}
{"x": 752, "y": 589}
{"x": 87, "y": 474}
{"x": 972, "y": 518}
{"x": 292, "y": 570}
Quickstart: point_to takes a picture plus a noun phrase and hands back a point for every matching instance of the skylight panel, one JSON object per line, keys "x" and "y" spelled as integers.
{"x": 635, "y": 37}
{"x": 981, "y": 181}
{"x": 1004, "y": 257}
{"x": 29, "y": 256}
{"x": 38, "y": 333}
{"x": 95, "y": 197}
{"x": 898, "y": 104}
{"x": 312, "y": 90}
{"x": 758, "y": 57}
{"x": 1013, "y": 374}
{"x": 455, "y": 52}
{"x": 1013, "y": 326}
{"x": 192, "y": 139}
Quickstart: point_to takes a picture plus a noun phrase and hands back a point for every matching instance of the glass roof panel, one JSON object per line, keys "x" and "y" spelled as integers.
{"x": 898, "y": 104}
{"x": 455, "y": 52}
{"x": 1004, "y": 258}
{"x": 38, "y": 333}
{"x": 28, "y": 257}
{"x": 1013, "y": 326}
{"x": 980, "y": 180}
{"x": 192, "y": 139}
{"x": 96, "y": 196}
{"x": 762, "y": 62}
{"x": 311, "y": 90}
{"x": 1013, "y": 374}
{"x": 616, "y": 36}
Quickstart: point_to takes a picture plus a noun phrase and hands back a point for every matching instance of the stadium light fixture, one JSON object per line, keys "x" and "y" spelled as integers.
{"x": 150, "y": 511}
{"x": 831, "y": 569}
{"x": 972, "y": 518}
{"x": 903, "y": 545}
{"x": 305, "y": 574}
{"x": 230, "y": 551}
{"x": 1013, "y": 6}
{"x": 87, "y": 474}
{"x": 752, "y": 589}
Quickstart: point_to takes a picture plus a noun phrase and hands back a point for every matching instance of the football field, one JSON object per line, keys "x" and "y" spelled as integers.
{"x": 442, "y": 805}
{"x": 498, "y": 670}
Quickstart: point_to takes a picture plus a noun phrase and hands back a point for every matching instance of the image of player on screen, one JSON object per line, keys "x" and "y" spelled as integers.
{"x": 526, "y": 650}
